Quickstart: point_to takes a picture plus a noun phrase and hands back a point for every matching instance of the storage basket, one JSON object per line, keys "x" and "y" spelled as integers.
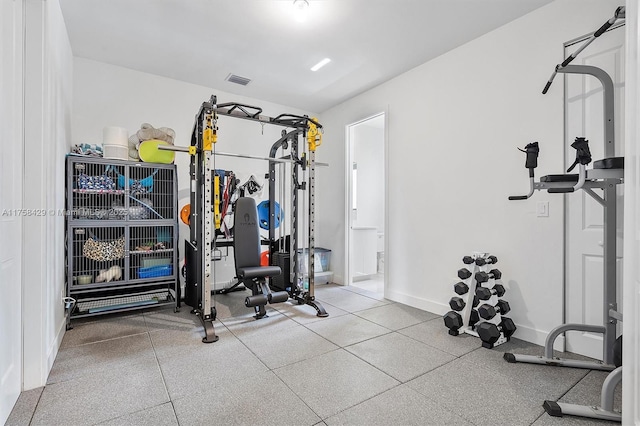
{"x": 155, "y": 271}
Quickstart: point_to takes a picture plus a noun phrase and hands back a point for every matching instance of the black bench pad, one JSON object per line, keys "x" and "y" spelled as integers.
{"x": 258, "y": 272}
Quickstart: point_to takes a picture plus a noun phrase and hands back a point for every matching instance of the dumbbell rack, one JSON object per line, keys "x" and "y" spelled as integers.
{"x": 477, "y": 262}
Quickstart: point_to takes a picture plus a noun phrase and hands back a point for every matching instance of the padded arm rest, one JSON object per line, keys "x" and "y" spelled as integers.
{"x": 559, "y": 190}
{"x": 609, "y": 163}
{"x": 258, "y": 272}
{"x": 559, "y": 178}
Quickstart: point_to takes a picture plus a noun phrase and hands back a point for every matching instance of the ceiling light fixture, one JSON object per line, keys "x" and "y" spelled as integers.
{"x": 301, "y": 4}
{"x": 300, "y": 9}
{"x": 320, "y": 64}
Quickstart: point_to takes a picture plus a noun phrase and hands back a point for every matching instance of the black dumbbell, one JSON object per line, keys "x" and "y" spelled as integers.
{"x": 485, "y": 293}
{"x": 487, "y": 311}
{"x": 483, "y": 277}
{"x": 464, "y": 273}
{"x": 453, "y": 321}
{"x": 460, "y": 288}
{"x": 490, "y": 333}
{"x": 457, "y": 304}
{"x": 480, "y": 261}
{"x": 468, "y": 260}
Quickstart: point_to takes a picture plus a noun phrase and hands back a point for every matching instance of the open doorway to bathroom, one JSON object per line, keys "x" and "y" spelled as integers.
{"x": 366, "y": 205}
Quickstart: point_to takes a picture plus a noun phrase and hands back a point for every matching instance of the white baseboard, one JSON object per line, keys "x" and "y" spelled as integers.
{"x": 52, "y": 351}
{"x": 538, "y": 337}
{"x": 416, "y": 302}
{"x": 525, "y": 333}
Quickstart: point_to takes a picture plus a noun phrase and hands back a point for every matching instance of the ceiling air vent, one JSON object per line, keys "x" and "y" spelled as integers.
{"x": 243, "y": 81}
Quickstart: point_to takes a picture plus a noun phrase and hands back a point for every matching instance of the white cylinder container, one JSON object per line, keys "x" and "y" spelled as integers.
{"x": 115, "y": 136}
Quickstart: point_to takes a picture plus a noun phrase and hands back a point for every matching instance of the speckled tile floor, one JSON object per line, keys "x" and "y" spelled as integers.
{"x": 371, "y": 362}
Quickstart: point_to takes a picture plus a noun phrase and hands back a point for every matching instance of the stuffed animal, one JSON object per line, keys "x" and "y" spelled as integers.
{"x": 112, "y": 274}
{"x": 148, "y": 132}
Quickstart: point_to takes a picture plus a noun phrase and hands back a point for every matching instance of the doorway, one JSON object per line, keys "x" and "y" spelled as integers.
{"x": 366, "y": 205}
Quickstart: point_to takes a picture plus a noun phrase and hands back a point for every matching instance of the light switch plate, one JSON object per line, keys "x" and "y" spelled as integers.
{"x": 542, "y": 209}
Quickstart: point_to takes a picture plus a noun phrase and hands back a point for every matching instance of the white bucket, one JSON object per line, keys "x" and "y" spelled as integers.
{"x": 115, "y": 136}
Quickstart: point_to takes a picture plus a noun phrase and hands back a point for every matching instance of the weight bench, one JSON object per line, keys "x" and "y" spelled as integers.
{"x": 246, "y": 253}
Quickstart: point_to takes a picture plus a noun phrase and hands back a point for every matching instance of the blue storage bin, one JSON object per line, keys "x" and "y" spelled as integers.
{"x": 155, "y": 271}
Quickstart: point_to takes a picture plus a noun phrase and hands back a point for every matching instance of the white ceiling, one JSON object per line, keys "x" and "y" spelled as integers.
{"x": 203, "y": 41}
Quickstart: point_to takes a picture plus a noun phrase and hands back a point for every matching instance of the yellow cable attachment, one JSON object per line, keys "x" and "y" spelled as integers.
{"x": 314, "y": 138}
{"x": 216, "y": 200}
{"x": 209, "y": 136}
{"x": 193, "y": 150}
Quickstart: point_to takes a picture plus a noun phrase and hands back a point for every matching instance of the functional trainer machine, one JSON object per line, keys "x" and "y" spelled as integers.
{"x": 286, "y": 257}
{"x": 204, "y": 212}
{"x": 605, "y": 175}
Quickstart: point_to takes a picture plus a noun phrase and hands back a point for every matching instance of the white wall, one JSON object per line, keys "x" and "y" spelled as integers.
{"x": 368, "y": 149}
{"x": 47, "y": 101}
{"x": 107, "y": 95}
{"x": 453, "y": 126}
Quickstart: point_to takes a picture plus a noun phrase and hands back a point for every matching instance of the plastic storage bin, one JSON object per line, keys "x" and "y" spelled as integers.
{"x": 322, "y": 260}
{"x": 155, "y": 271}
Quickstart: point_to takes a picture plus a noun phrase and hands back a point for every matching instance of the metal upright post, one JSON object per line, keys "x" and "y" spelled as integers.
{"x": 609, "y": 296}
{"x": 608, "y": 106}
{"x": 314, "y": 139}
{"x": 202, "y": 139}
{"x": 295, "y": 186}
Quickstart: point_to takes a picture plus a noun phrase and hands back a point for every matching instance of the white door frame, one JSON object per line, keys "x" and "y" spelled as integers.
{"x": 12, "y": 71}
{"x": 347, "y": 202}
{"x": 631, "y": 269}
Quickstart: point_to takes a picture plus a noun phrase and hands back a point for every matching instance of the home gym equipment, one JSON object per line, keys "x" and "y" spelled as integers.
{"x": 605, "y": 175}
{"x": 453, "y": 321}
{"x": 464, "y": 318}
{"x": 460, "y": 288}
{"x": 464, "y": 273}
{"x": 490, "y": 333}
{"x": 617, "y": 352}
{"x": 263, "y": 214}
{"x": 285, "y": 254}
{"x": 487, "y": 311}
{"x": 480, "y": 261}
{"x": 205, "y": 215}
{"x": 483, "y": 277}
{"x": 485, "y": 293}
{"x": 246, "y": 253}
{"x": 457, "y": 304}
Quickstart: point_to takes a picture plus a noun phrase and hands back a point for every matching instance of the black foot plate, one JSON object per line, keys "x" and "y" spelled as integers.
{"x": 552, "y": 408}
{"x": 318, "y": 307}
{"x": 209, "y": 332}
{"x": 509, "y": 357}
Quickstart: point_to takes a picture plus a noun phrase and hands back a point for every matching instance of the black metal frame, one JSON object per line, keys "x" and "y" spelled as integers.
{"x": 201, "y": 236}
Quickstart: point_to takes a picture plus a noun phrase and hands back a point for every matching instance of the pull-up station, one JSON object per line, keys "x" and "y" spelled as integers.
{"x": 204, "y": 215}
{"x": 605, "y": 175}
